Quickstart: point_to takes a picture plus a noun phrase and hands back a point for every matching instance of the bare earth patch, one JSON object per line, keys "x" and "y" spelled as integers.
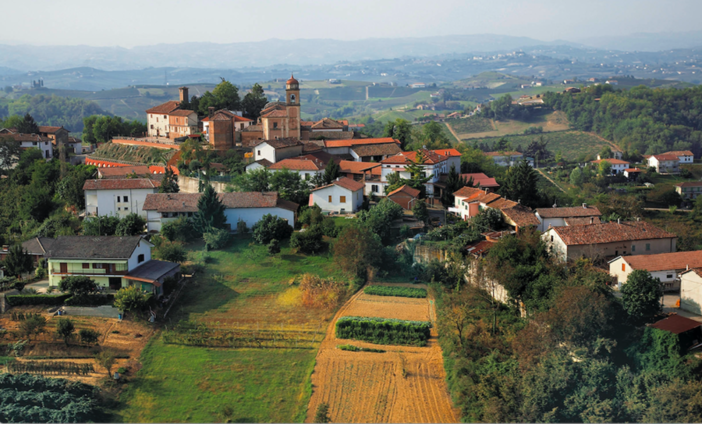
{"x": 404, "y": 384}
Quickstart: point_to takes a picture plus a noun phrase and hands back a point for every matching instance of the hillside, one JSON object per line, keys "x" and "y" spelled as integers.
{"x": 476, "y": 127}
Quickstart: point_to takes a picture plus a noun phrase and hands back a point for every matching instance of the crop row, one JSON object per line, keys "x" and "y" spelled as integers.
{"x": 243, "y": 339}
{"x": 395, "y": 291}
{"x": 384, "y": 331}
{"x": 52, "y": 368}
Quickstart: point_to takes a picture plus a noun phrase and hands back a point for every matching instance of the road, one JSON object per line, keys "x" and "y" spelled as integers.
{"x": 549, "y": 178}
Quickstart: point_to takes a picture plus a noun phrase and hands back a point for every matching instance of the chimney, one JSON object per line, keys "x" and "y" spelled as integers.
{"x": 210, "y": 111}
{"x": 183, "y": 94}
{"x": 592, "y": 220}
{"x": 584, "y": 205}
{"x": 619, "y": 221}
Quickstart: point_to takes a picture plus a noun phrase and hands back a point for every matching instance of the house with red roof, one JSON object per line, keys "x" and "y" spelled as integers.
{"x": 433, "y": 166}
{"x": 160, "y": 124}
{"x": 404, "y": 196}
{"x": 618, "y": 165}
{"x": 481, "y": 180}
{"x": 306, "y": 166}
{"x": 691, "y": 290}
{"x": 117, "y": 197}
{"x": 343, "y": 195}
{"x": 666, "y": 267}
{"x": 689, "y": 189}
{"x": 665, "y": 163}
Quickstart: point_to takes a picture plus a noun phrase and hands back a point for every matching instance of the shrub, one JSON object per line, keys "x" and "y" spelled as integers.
{"x": 78, "y": 285}
{"x": 353, "y": 348}
{"x": 171, "y": 252}
{"x": 274, "y": 247}
{"x": 216, "y": 238}
{"x": 383, "y": 331}
{"x": 311, "y": 215}
{"x": 90, "y": 300}
{"x": 330, "y": 229}
{"x": 271, "y": 227}
{"x": 130, "y": 225}
{"x": 64, "y": 329}
{"x": 395, "y": 291}
{"x": 88, "y": 336}
{"x": 309, "y": 241}
{"x": 180, "y": 229}
{"x": 130, "y": 299}
{"x": 321, "y": 293}
{"x": 322, "y": 414}
{"x": 241, "y": 227}
{"x": 29, "y": 300}
{"x": 121, "y": 370}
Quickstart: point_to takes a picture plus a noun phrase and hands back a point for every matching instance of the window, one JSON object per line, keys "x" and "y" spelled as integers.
{"x": 152, "y": 126}
{"x": 551, "y": 239}
{"x": 86, "y": 265}
{"x": 97, "y": 266}
{"x": 616, "y": 253}
{"x": 330, "y": 199}
{"x": 648, "y": 246}
{"x": 125, "y": 199}
{"x": 140, "y": 258}
{"x": 292, "y": 98}
{"x": 275, "y": 125}
{"x": 374, "y": 188}
{"x": 623, "y": 267}
{"x": 342, "y": 199}
{"x": 669, "y": 276}
{"x": 118, "y": 199}
{"x": 164, "y": 214}
{"x": 259, "y": 153}
{"x": 633, "y": 248}
{"x": 307, "y": 177}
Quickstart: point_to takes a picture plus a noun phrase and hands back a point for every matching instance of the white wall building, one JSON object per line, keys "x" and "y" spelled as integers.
{"x": 667, "y": 267}
{"x": 306, "y": 167}
{"x": 561, "y": 217}
{"x": 343, "y": 196}
{"x": 691, "y": 291}
{"x": 105, "y": 197}
{"x": 277, "y": 150}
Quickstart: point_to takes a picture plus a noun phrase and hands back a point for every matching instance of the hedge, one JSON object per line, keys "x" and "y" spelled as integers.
{"x": 90, "y": 300}
{"x": 383, "y": 331}
{"x": 37, "y": 299}
{"x": 395, "y": 291}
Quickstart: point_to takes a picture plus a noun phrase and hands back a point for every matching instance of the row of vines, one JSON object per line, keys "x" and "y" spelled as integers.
{"x": 50, "y": 368}
{"x": 384, "y": 331}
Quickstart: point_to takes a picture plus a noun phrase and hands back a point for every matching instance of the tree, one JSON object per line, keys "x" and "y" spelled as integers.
{"x": 106, "y": 359}
{"x": 433, "y": 136}
{"x": 65, "y": 329}
{"x": 130, "y": 299}
{"x": 420, "y": 211}
{"x": 180, "y": 229}
{"x": 169, "y": 184}
{"x": 210, "y": 211}
{"x": 290, "y": 186}
{"x": 131, "y": 225}
{"x": 70, "y": 188}
{"x": 274, "y": 247}
{"x": 641, "y": 296}
{"x": 254, "y": 102}
{"x": 331, "y": 172}
{"x": 216, "y": 238}
{"x": 100, "y": 225}
{"x": 227, "y": 96}
{"x": 36, "y": 203}
{"x": 78, "y": 285}
{"x": 379, "y": 219}
{"x": 171, "y": 252}
{"x": 401, "y": 130}
{"x": 271, "y": 227}
{"x": 17, "y": 261}
{"x": 310, "y": 240}
{"x": 256, "y": 180}
{"x": 520, "y": 184}
{"x": 357, "y": 250}
{"x": 28, "y": 125}
{"x": 453, "y": 182}
{"x": 32, "y": 325}
{"x": 322, "y": 414}
{"x": 88, "y": 336}
{"x": 604, "y": 168}
{"x": 576, "y": 177}
{"x": 10, "y": 152}
{"x": 606, "y": 152}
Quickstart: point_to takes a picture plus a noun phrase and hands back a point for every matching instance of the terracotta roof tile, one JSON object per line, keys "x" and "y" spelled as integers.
{"x": 385, "y": 149}
{"x": 570, "y": 212}
{"x": 690, "y": 184}
{"x": 344, "y": 182}
{"x": 676, "y": 324}
{"x": 680, "y": 153}
{"x": 480, "y": 179}
{"x": 164, "y": 108}
{"x": 665, "y": 261}
{"x": 583, "y": 221}
{"x": 521, "y": 215}
{"x": 666, "y": 156}
{"x": 467, "y": 192}
{"x": 447, "y": 152}
{"x": 406, "y": 189}
{"x": 610, "y": 232}
{"x": 353, "y": 167}
{"x": 431, "y": 158}
{"x": 123, "y": 184}
{"x": 298, "y": 164}
{"x": 181, "y": 112}
{"x": 327, "y": 123}
{"x": 359, "y": 142}
{"x": 187, "y": 202}
{"x": 50, "y": 129}
{"x": 26, "y": 137}
{"x": 282, "y": 143}
{"x": 275, "y": 114}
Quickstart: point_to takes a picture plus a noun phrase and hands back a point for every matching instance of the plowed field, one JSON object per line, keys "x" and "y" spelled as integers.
{"x": 404, "y": 384}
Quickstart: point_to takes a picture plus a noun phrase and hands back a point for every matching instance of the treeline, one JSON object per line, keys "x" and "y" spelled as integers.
{"x": 49, "y": 110}
{"x": 641, "y": 120}
{"x": 579, "y": 354}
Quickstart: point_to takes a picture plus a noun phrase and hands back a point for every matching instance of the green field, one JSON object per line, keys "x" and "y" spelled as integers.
{"x": 242, "y": 288}
{"x": 180, "y": 383}
{"x": 473, "y": 124}
{"x": 571, "y": 144}
{"x": 475, "y": 127}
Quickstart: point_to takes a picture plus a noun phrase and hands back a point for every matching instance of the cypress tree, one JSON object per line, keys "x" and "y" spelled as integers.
{"x": 210, "y": 211}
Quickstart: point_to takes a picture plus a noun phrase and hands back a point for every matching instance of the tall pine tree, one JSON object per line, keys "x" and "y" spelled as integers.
{"x": 453, "y": 182}
{"x": 210, "y": 211}
{"x": 520, "y": 184}
{"x": 332, "y": 171}
{"x": 169, "y": 184}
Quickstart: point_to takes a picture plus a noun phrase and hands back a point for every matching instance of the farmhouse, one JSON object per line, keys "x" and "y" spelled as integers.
{"x": 344, "y": 147}
{"x": 160, "y": 124}
{"x": 689, "y": 190}
{"x": 107, "y": 197}
{"x": 113, "y": 262}
{"x": 667, "y": 267}
{"x": 666, "y": 163}
{"x": 404, "y": 196}
{"x": 618, "y": 166}
{"x": 30, "y": 141}
{"x": 691, "y": 290}
{"x": 559, "y": 217}
{"x": 277, "y": 150}
{"x": 239, "y": 206}
{"x": 609, "y": 239}
{"x": 342, "y": 196}
{"x": 359, "y": 171}
{"x": 307, "y": 167}
{"x": 433, "y": 166}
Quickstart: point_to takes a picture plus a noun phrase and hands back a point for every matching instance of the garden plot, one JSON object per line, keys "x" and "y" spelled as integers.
{"x": 402, "y": 384}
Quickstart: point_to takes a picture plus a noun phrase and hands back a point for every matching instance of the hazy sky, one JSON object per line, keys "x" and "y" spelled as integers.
{"x": 146, "y": 22}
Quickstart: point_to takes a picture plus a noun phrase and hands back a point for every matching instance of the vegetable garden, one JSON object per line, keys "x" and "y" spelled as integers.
{"x": 384, "y": 330}
{"x": 396, "y": 291}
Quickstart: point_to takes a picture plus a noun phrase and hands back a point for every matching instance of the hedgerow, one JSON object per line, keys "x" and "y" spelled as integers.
{"x": 353, "y": 348}
{"x": 396, "y": 291}
{"x": 383, "y": 331}
{"x": 37, "y": 299}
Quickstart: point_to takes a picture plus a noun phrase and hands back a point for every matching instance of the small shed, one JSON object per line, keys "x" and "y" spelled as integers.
{"x": 687, "y": 330}
{"x": 404, "y": 196}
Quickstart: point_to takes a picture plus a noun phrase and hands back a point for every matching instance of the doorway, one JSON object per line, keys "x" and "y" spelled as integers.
{"x": 115, "y": 283}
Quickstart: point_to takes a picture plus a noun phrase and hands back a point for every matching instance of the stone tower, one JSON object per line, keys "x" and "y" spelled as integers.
{"x": 292, "y": 97}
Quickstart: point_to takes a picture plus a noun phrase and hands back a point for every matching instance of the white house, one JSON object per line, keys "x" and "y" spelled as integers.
{"x": 306, "y": 166}
{"x": 618, "y": 166}
{"x": 30, "y": 141}
{"x": 508, "y": 158}
{"x": 665, "y": 163}
{"x": 245, "y": 206}
{"x": 262, "y": 163}
{"x": 684, "y": 156}
{"x": 121, "y": 197}
{"x": 343, "y": 196}
{"x": 157, "y": 118}
{"x": 667, "y": 267}
{"x": 345, "y": 147}
{"x": 418, "y": 85}
{"x": 691, "y": 291}
{"x": 434, "y": 165}
{"x": 277, "y": 150}
{"x": 560, "y": 217}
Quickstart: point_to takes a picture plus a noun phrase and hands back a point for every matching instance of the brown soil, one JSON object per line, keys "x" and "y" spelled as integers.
{"x": 404, "y": 384}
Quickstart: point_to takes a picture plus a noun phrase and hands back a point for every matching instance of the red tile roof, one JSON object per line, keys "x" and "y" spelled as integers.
{"x": 610, "y": 232}
{"x": 467, "y": 192}
{"x": 327, "y": 123}
{"x": 359, "y": 141}
{"x": 571, "y": 212}
{"x": 298, "y": 164}
{"x": 680, "y": 153}
{"x": 665, "y": 261}
{"x": 480, "y": 179}
{"x": 503, "y": 154}
{"x": 431, "y": 158}
{"x": 49, "y": 129}
{"x": 353, "y": 167}
{"x": 384, "y": 149}
{"x": 275, "y": 114}
{"x": 406, "y": 189}
{"x": 165, "y": 108}
{"x": 521, "y": 215}
{"x": 26, "y": 137}
{"x": 481, "y": 247}
{"x": 612, "y": 161}
{"x": 123, "y": 184}
{"x": 447, "y": 152}
{"x": 666, "y": 157}
{"x": 582, "y": 221}
{"x": 181, "y": 112}
{"x": 346, "y": 183}
{"x": 632, "y": 170}
{"x": 187, "y": 202}
{"x": 676, "y": 324}
{"x": 690, "y": 184}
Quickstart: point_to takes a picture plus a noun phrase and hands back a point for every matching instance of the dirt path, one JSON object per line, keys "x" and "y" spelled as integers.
{"x": 404, "y": 384}
{"x": 614, "y": 146}
{"x": 549, "y": 178}
{"x": 458, "y": 139}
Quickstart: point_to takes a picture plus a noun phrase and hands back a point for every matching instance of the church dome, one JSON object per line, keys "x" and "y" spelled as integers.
{"x": 292, "y": 80}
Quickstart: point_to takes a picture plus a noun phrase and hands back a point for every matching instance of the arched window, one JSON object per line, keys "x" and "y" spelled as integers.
{"x": 292, "y": 98}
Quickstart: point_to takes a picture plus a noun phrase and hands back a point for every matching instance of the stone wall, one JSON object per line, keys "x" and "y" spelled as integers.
{"x": 190, "y": 185}
{"x": 423, "y": 254}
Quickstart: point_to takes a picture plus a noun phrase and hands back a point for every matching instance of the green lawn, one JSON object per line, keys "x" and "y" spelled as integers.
{"x": 242, "y": 287}
{"x": 188, "y": 384}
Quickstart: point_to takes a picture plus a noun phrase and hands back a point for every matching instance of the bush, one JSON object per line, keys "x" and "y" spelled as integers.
{"x": 330, "y": 229}
{"x": 130, "y": 299}
{"x": 274, "y": 247}
{"x": 309, "y": 241}
{"x": 241, "y": 227}
{"x": 395, "y": 291}
{"x": 311, "y": 215}
{"x": 130, "y": 225}
{"x": 180, "y": 229}
{"x": 383, "y": 331}
{"x": 78, "y": 285}
{"x": 352, "y": 348}
{"x": 216, "y": 238}
{"x": 88, "y": 336}
{"x": 321, "y": 293}
{"x": 30, "y": 300}
{"x": 271, "y": 227}
{"x": 90, "y": 300}
{"x": 170, "y": 252}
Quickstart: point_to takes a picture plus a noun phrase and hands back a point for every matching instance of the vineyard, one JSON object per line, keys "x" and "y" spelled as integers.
{"x": 383, "y": 330}
{"x": 50, "y": 368}
{"x": 396, "y": 291}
